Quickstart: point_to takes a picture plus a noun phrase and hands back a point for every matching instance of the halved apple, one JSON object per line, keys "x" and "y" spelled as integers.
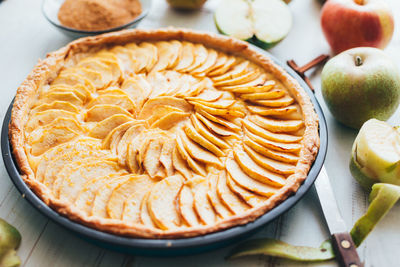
{"x": 264, "y": 23}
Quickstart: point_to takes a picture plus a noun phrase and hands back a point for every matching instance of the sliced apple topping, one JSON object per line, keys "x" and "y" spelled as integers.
{"x": 169, "y": 134}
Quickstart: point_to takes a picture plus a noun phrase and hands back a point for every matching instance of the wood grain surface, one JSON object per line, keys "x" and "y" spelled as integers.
{"x": 25, "y": 36}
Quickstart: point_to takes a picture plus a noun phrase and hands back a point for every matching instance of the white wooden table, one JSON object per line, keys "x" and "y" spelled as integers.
{"x": 25, "y": 36}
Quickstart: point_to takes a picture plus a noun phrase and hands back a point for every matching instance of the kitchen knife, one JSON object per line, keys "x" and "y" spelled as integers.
{"x": 342, "y": 242}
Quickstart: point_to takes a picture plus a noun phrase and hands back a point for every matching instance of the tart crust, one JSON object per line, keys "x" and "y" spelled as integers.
{"x": 47, "y": 69}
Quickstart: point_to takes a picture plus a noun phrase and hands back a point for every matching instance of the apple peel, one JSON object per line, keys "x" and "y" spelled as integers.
{"x": 382, "y": 198}
{"x": 279, "y": 249}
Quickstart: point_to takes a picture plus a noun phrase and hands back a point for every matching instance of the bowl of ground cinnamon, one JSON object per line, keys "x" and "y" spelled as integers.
{"x": 78, "y": 18}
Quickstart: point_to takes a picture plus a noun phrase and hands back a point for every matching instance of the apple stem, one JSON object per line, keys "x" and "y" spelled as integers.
{"x": 359, "y": 2}
{"x": 359, "y": 61}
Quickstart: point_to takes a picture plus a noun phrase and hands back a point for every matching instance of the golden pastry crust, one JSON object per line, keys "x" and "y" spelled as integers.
{"x": 47, "y": 69}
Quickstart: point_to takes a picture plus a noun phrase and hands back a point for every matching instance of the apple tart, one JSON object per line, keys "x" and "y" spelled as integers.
{"x": 163, "y": 133}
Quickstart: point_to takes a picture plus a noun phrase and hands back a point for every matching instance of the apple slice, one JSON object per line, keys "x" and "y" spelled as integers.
{"x": 180, "y": 164}
{"x": 133, "y": 150}
{"x": 94, "y": 76}
{"x": 66, "y": 95}
{"x": 238, "y": 70}
{"x": 246, "y": 87}
{"x": 165, "y": 157}
{"x": 210, "y": 136}
{"x": 270, "y": 164}
{"x": 202, "y": 206}
{"x": 253, "y": 20}
{"x": 278, "y": 137}
{"x": 74, "y": 179}
{"x": 256, "y": 171}
{"x": 280, "y": 156}
{"x": 274, "y": 94}
{"x": 201, "y": 71}
{"x": 219, "y": 120}
{"x": 168, "y": 54}
{"x": 252, "y": 199}
{"x": 201, "y": 140}
{"x": 151, "y": 162}
{"x": 74, "y": 79}
{"x": 45, "y": 138}
{"x": 170, "y": 120}
{"x": 136, "y": 91}
{"x": 213, "y": 197}
{"x": 161, "y": 202}
{"x": 150, "y": 52}
{"x": 200, "y": 56}
{"x": 216, "y": 128}
{"x": 278, "y": 146}
{"x": 100, "y": 112}
{"x": 265, "y": 111}
{"x": 132, "y": 205}
{"x": 56, "y": 165}
{"x": 218, "y": 111}
{"x": 99, "y": 206}
{"x": 126, "y": 58}
{"x": 148, "y": 107}
{"x": 228, "y": 64}
{"x": 186, "y": 204}
{"x": 197, "y": 168}
{"x": 134, "y": 184}
{"x": 120, "y": 100}
{"x": 230, "y": 199}
{"x": 251, "y": 75}
{"x": 207, "y": 95}
{"x": 95, "y": 64}
{"x": 128, "y": 136}
{"x": 70, "y": 123}
{"x": 57, "y": 104}
{"x": 274, "y": 103}
{"x": 246, "y": 181}
{"x": 197, "y": 152}
{"x": 84, "y": 200}
{"x": 81, "y": 144}
{"x": 112, "y": 139}
{"x": 277, "y": 126}
{"x": 145, "y": 217}
{"x": 102, "y": 128}
{"x": 186, "y": 57}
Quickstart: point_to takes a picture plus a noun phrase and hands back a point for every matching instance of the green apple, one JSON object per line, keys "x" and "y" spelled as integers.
{"x": 186, "y": 4}
{"x": 375, "y": 156}
{"x": 360, "y": 84}
{"x": 262, "y": 22}
{"x": 10, "y": 239}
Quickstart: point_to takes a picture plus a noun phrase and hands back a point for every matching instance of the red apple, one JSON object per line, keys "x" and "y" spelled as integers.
{"x": 354, "y": 23}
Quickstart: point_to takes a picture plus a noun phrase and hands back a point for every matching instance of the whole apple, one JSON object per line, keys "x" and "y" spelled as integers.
{"x": 354, "y": 23}
{"x": 360, "y": 84}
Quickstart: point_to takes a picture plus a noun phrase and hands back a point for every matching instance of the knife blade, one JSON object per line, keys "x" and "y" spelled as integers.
{"x": 341, "y": 239}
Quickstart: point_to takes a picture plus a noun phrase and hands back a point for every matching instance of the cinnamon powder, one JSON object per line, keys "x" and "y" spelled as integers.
{"x": 97, "y": 15}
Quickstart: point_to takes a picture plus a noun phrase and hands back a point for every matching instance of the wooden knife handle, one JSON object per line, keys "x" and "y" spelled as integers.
{"x": 346, "y": 251}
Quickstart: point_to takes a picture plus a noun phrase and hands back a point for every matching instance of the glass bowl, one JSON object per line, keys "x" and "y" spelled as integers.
{"x": 50, "y": 11}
